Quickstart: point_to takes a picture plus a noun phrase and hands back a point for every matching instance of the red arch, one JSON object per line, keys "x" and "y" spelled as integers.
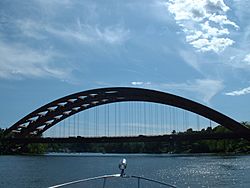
{"x": 50, "y": 114}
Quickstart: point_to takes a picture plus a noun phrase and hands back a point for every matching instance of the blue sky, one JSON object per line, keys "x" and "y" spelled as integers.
{"x": 195, "y": 49}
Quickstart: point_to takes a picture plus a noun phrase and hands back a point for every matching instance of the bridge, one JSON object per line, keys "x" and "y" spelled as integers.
{"x": 121, "y": 114}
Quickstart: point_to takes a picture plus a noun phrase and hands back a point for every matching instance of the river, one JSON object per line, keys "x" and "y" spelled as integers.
{"x": 180, "y": 170}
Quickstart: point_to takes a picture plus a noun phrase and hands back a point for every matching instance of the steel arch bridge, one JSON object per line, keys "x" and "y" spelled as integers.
{"x": 43, "y": 118}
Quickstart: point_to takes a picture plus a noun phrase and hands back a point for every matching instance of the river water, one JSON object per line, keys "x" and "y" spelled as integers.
{"x": 180, "y": 170}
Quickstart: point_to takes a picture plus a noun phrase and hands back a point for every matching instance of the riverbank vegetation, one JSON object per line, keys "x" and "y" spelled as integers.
{"x": 204, "y": 146}
{"x": 7, "y": 148}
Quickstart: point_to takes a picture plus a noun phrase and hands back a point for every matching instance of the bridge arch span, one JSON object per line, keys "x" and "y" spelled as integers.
{"x": 52, "y": 113}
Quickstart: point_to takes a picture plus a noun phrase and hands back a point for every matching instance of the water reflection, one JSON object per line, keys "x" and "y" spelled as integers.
{"x": 183, "y": 171}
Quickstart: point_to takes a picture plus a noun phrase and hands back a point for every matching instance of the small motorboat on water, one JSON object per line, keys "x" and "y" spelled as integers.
{"x": 122, "y": 174}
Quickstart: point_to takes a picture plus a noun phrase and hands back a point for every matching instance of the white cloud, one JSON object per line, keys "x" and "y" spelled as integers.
{"x": 241, "y": 10}
{"x": 191, "y": 59}
{"x": 239, "y": 92}
{"x": 112, "y": 35}
{"x": 247, "y": 59}
{"x": 208, "y": 88}
{"x": 31, "y": 29}
{"x": 205, "y": 89}
{"x": 27, "y": 53}
{"x": 215, "y": 44}
{"x": 83, "y": 33}
{"x": 47, "y": 3}
{"x": 213, "y": 31}
{"x": 196, "y": 17}
{"x": 222, "y": 20}
{"x": 137, "y": 83}
{"x": 18, "y": 61}
{"x": 238, "y": 58}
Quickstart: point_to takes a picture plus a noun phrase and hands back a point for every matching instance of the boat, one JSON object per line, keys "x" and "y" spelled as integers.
{"x": 122, "y": 174}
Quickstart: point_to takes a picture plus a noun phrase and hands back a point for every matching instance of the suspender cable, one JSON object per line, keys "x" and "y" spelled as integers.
{"x": 69, "y": 127}
{"x": 137, "y": 108}
{"x": 144, "y": 116}
{"x": 176, "y": 119}
{"x": 97, "y": 121}
{"x": 129, "y": 119}
{"x": 74, "y": 121}
{"x": 149, "y": 118}
{"x": 64, "y": 128}
{"x": 126, "y": 119}
{"x": 60, "y": 129}
{"x": 108, "y": 117}
{"x": 78, "y": 126}
{"x": 94, "y": 121}
{"x": 136, "y": 119}
{"x": 183, "y": 120}
{"x": 53, "y": 131}
{"x": 73, "y": 125}
{"x": 156, "y": 118}
{"x": 139, "y": 117}
{"x": 134, "y": 115}
{"x": 115, "y": 120}
{"x": 132, "y": 118}
{"x": 153, "y": 119}
{"x": 119, "y": 119}
{"x": 162, "y": 119}
{"x": 198, "y": 122}
{"x": 165, "y": 120}
{"x": 170, "y": 119}
{"x": 84, "y": 126}
{"x": 105, "y": 120}
{"x": 87, "y": 123}
{"x": 173, "y": 119}
{"x": 174, "y": 128}
{"x": 177, "y": 126}
{"x": 140, "y": 113}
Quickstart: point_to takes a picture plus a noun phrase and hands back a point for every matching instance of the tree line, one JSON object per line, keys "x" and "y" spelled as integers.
{"x": 202, "y": 146}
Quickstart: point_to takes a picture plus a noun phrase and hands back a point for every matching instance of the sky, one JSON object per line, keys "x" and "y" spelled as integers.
{"x": 198, "y": 49}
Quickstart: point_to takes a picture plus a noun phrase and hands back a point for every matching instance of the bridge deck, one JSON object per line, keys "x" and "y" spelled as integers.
{"x": 141, "y": 138}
